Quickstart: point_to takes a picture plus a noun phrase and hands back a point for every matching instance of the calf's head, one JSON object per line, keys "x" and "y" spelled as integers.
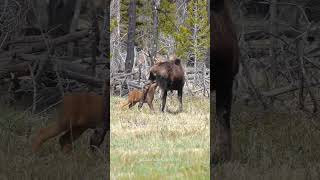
{"x": 144, "y": 94}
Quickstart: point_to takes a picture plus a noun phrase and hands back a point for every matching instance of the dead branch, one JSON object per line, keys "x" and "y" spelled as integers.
{"x": 42, "y": 46}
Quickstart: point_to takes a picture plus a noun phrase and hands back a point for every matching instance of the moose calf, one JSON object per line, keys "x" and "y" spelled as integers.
{"x": 78, "y": 112}
{"x": 135, "y": 96}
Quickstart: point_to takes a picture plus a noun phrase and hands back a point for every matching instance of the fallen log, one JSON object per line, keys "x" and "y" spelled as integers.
{"x": 20, "y": 69}
{"x": 284, "y": 90}
{"x": 37, "y": 47}
{"x": 27, "y": 40}
{"x": 83, "y": 78}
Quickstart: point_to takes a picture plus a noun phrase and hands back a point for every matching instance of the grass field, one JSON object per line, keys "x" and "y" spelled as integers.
{"x": 17, "y": 162}
{"x": 273, "y": 145}
{"x": 147, "y": 145}
{"x": 269, "y": 145}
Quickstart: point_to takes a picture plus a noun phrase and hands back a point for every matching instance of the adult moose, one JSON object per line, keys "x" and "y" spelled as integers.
{"x": 224, "y": 52}
{"x": 169, "y": 75}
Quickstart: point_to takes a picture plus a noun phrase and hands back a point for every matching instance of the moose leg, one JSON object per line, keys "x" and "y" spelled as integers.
{"x": 125, "y": 105}
{"x": 132, "y": 104}
{"x": 150, "y": 106}
{"x": 180, "y": 99}
{"x": 164, "y": 99}
{"x": 222, "y": 143}
{"x": 97, "y": 138}
{"x": 44, "y": 134}
{"x": 67, "y": 138}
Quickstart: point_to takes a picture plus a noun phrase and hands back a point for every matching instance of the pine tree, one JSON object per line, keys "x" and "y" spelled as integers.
{"x": 167, "y": 22}
{"x": 143, "y": 21}
{"x": 193, "y": 36}
{"x": 167, "y": 17}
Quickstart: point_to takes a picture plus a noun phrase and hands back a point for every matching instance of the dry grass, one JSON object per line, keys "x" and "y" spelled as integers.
{"x": 17, "y": 161}
{"x": 273, "y": 145}
{"x": 160, "y": 145}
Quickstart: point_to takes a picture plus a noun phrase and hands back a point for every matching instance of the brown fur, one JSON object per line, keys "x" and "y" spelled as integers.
{"x": 78, "y": 112}
{"x": 136, "y": 95}
{"x": 224, "y": 53}
{"x": 169, "y": 75}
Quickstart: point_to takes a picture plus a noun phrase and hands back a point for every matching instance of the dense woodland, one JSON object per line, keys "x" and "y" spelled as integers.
{"x": 141, "y": 33}
{"x": 275, "y": 113}
{"x": 52, "y": 48}
{"x": 279, "y": 44}
{"x": 279, "y": 50}
{"x": 144, "y": 32}
{"x": 47, "y": 49}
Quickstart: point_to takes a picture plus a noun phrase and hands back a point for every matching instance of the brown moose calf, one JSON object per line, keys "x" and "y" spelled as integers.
{"x": 79, "y": 112}
{"x": 136, "y": 95}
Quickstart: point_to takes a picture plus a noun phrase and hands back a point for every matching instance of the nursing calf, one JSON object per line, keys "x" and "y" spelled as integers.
{"x": 136, "y": 95}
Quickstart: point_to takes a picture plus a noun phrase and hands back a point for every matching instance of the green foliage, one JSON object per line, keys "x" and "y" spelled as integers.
{"x": 167, "y": 22}
{"x": 143, "y": 12}
{"x": 193, "y": 36}
{"x": 183, "y": 42}
{"x": 167, "y": 17}
{"x": 113, "y": 24}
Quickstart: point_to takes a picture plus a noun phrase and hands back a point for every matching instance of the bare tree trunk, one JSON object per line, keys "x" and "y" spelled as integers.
{"x": 104, "y": 44}
{"x": 304, "y": 82}
{"x": 117, "y": 46}
{"x": 73, "y": 27}
{"x": 207, "y": 62}
{"x": 299, "y": 48}
{"x": 60, "y": 15}
{"x": 101, "y": 133}
{"x": 273, "y": 30}
{"x": 106, "y": 124}
{"x": 94, "y": 38}
{"x": 131, "y": 36}
{"x": 251, "y": 85}
{"x": 155, "y": 6}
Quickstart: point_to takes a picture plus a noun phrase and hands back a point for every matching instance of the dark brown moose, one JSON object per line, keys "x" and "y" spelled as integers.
{"x": 224, "y": 54}
{"x": 169, "y": 75}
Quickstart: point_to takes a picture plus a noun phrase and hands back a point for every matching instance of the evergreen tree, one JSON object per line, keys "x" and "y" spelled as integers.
{"x": 167, "y": 17}
{"x": 193, "y": 36}
{"x": 167, "y": 22}
{"x": 143, "y": 20}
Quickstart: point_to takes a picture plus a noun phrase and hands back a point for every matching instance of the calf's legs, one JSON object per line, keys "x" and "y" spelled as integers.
{"x": 44, "y": 134}
{"x": 67, "y": 138}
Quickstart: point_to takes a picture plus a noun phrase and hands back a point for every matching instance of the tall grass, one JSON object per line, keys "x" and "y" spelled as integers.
{"x": 269, "y": 145}
{"x": 17, "y": 162}
{"x": 273, "y": 145}
{"x": 146, "y": 145}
